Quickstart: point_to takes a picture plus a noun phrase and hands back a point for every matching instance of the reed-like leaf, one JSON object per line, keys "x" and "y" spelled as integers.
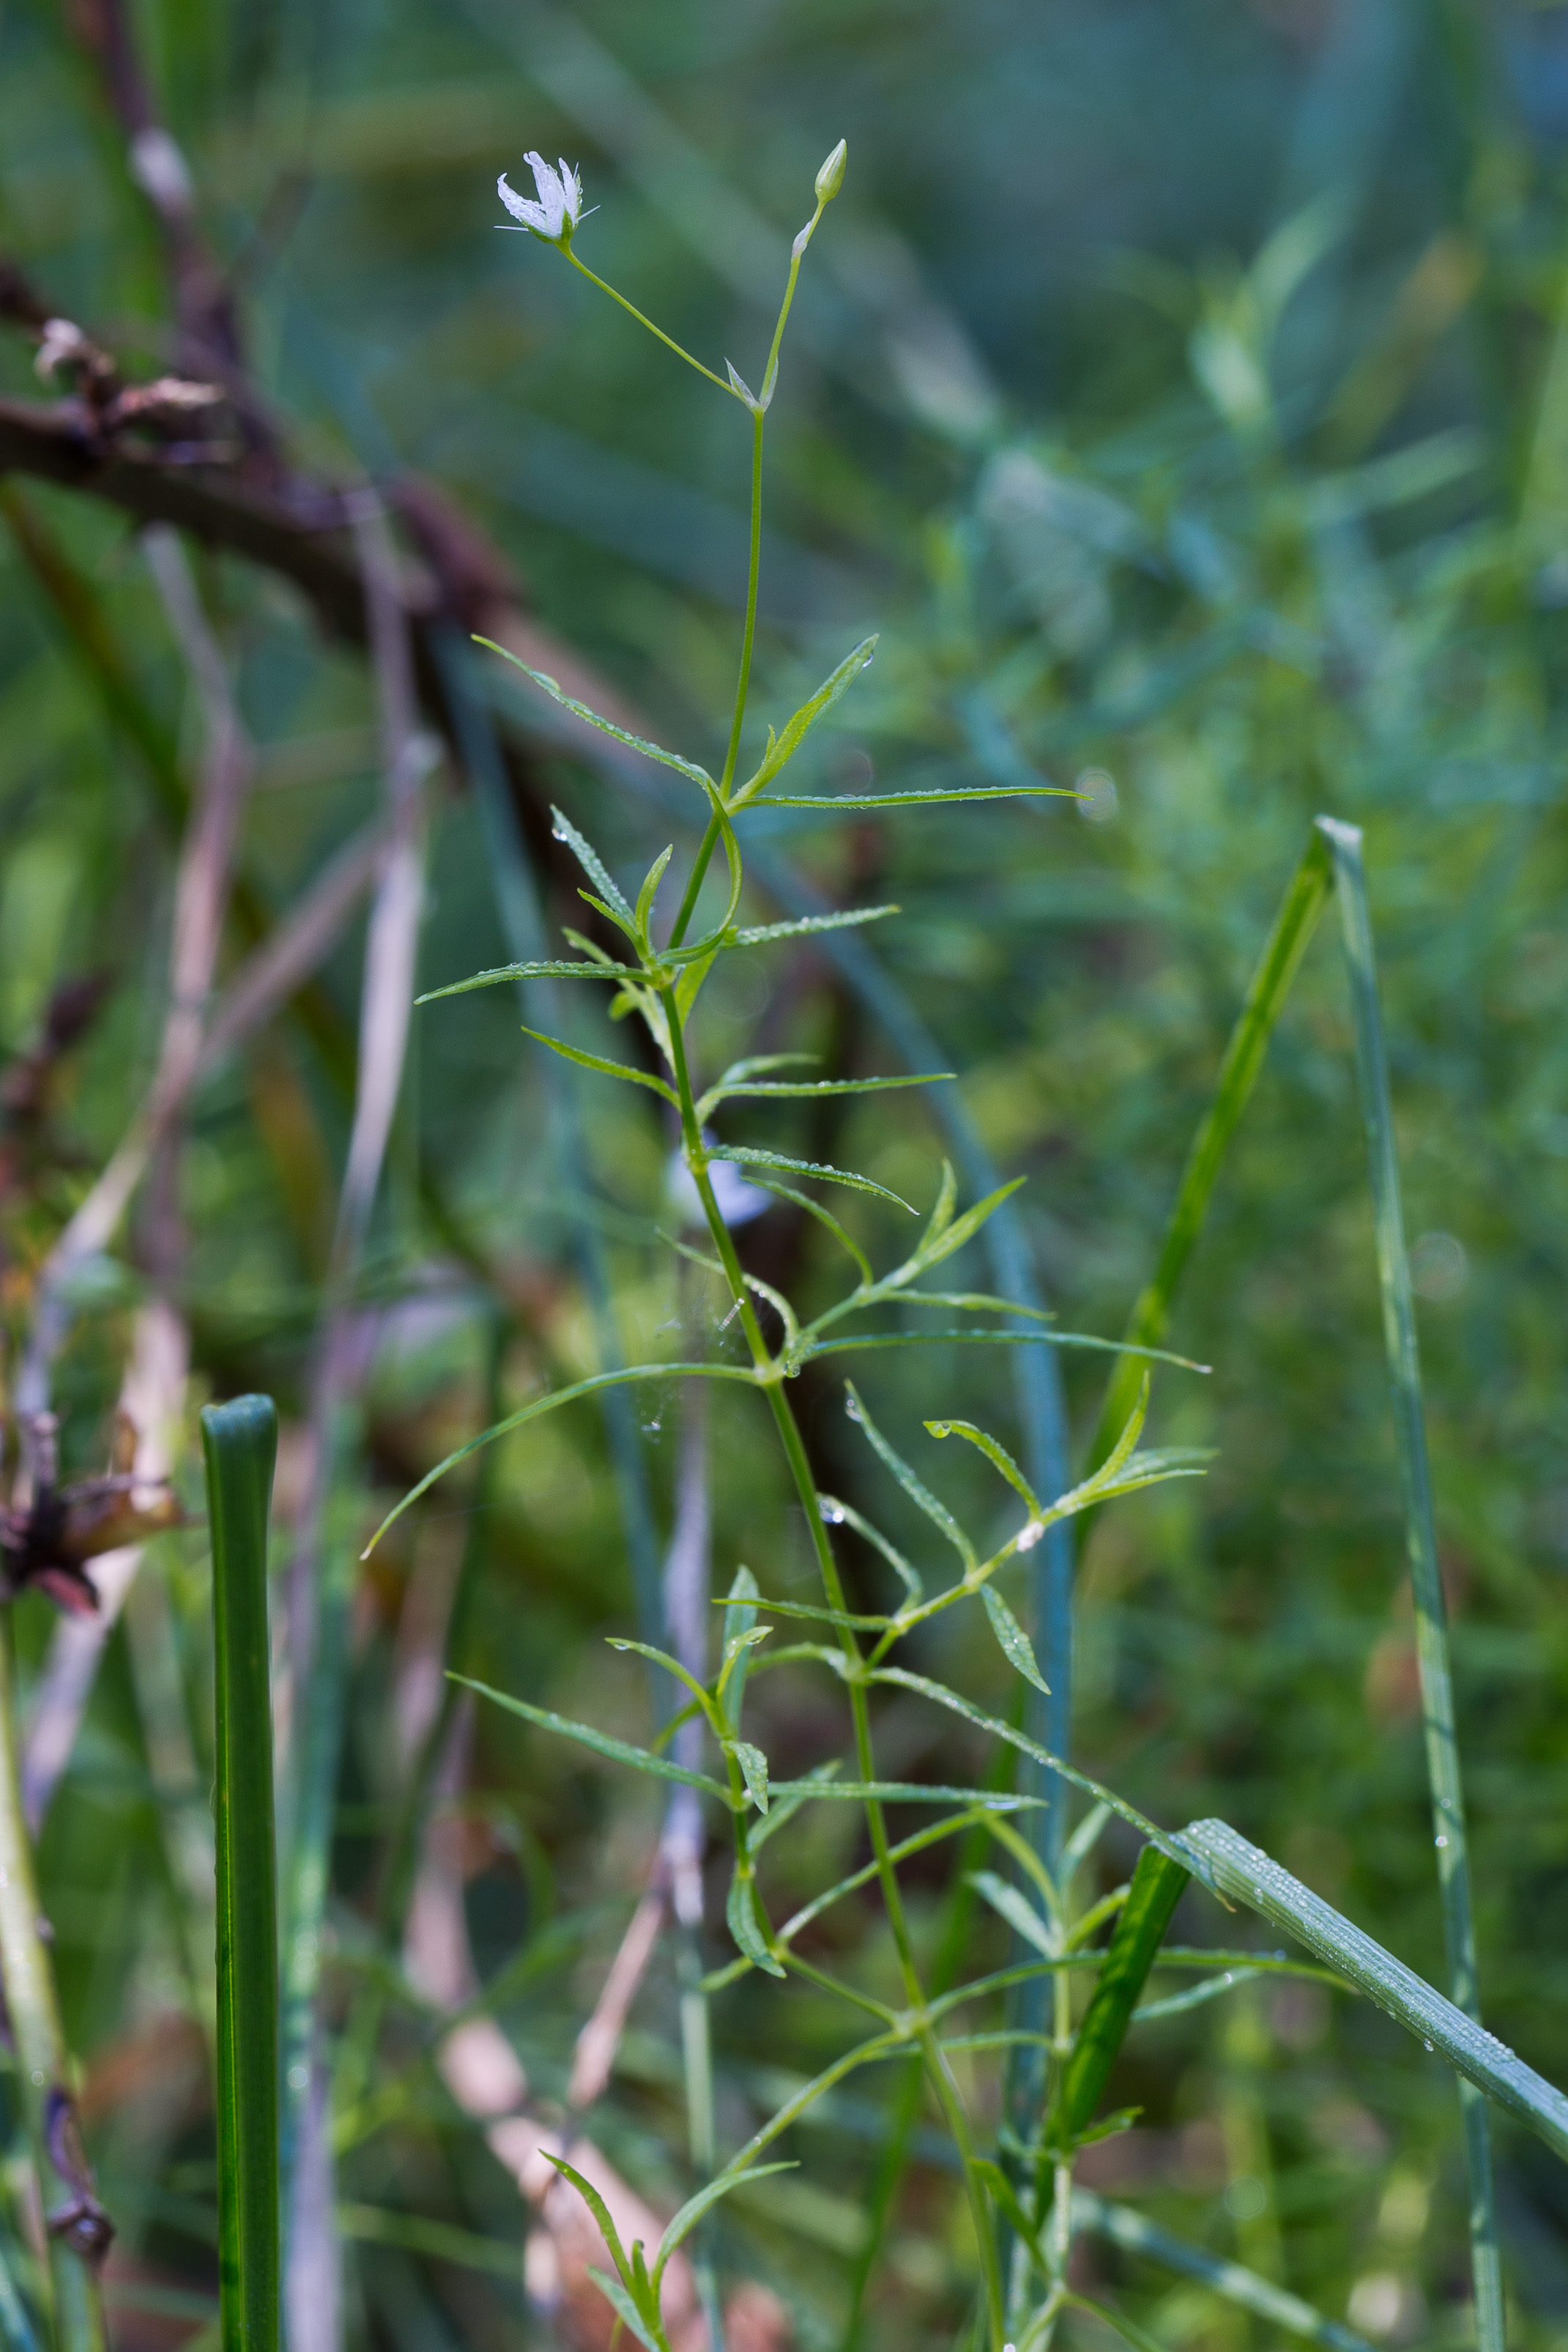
{"x": 600, "y": 1063}
{"x": 239, "y": 1440}
{"x": 1156, "y": 1888}
{"x": 1243, "y": 1873}
{"x": 1124, "y": 2226}
{"x": 783, "y": 747}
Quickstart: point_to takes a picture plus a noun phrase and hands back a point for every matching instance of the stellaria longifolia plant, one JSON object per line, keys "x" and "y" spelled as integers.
{"x": 1021, "y": 2196}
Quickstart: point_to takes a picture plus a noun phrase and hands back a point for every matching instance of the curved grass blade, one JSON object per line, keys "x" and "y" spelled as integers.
{"x": 740, "y": 1918}
{"x": 599, "y": 1062}
{"x": 1439, "y": 1733}
{"x": 1247, "y": 1875}
{"x": 1121, "y": 2225}
{"x": 1270, "y": 984}
{"x": 1156, "y": 1888}
{"x": 603, "y": 1743}
{"x": 547, "y": 1404}
{"x": 605, "y": 726}
{"x": 239, "y": 1440}
{"x": 744, "y": 1156}
{"x": 904, "y": 1792}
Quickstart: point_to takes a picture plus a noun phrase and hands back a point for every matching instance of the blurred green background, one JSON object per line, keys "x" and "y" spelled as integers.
{"x": 1180, "y": 390}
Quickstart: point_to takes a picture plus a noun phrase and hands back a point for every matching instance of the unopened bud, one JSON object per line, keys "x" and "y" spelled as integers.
{"x": 831, "y": 178}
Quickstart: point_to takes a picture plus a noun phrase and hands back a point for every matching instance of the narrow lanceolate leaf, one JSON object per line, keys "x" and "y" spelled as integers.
{"x": 599, "y": 969}
{"x": 782, "y": 748}
{"x": 919, "y": 1493}
{"x": 753, "y": 1771}
{"x": 692, "y": 2211}
{"x": 599, "y": 1062}
{"x": 909, "y": 799}
{"x": 766, "y": 1086}
{"x": 946, "y": 1233}
{"x": 547, "y": 1404}
{"x": 1019, "y": 1913}
{"x": 939, "y": 1694}
{"x": 904, "y": 1792}
{"x": 605, "y": 726}
{"x": 1156, "y": 1889}
{"x": 625, "y": 2309}
{"x": 603, "y": 1743}
{"x": 744, "y": 1157}
{"x": 740, "y": 1917}
{"x": 240, "y": 1443}
{"x": 836, "y": 1514}
{"x": 996, "y": 1453}
{"x": 1121, "y": 2225}
{"x": 611, "y": 899}
{"x": 1014, "y": 1642}
{"x": 843, "y": 919}
{"x": 1246, "y": 1875}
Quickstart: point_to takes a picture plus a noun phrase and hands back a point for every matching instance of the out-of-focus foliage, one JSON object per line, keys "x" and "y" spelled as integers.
{"x": 1180, "y": 392}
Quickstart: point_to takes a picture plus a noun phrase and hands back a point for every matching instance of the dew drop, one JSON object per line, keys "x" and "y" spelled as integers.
{"x": 1425, "y": 2045}
{"x": 651, "y": 1428}
{"x": 834, "y": 1513}
{"x": 853, "y": 1408}
{"x": 1439, "y": 1840}
{"x": 1030, "y": 1535}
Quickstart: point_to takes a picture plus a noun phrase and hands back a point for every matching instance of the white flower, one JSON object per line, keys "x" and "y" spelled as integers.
{"x": 559, "y": 208}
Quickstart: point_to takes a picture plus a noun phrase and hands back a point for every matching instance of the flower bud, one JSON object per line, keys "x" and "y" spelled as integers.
{"x": 831, "y": 178}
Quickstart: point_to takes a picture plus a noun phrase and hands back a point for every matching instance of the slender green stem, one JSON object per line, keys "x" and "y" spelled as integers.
{"x": 42, "y": 2060}
{"x": 240, "y": 1443}
{"x": 1344, "y": 842}
{"x": 668, "y": 340}
{"x": 709, "y": 842}
{"x": 743, "y": 684}
{"x": 938, "y": 2070}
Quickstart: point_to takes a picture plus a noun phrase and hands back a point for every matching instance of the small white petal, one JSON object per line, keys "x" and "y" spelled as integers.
{"x": 571, "y": 188}
{"x": 552, "y": 195}
{"x": 531, "y": 216}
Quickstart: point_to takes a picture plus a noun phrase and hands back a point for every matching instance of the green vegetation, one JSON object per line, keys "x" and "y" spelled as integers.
{"x": 1172, "y": 401}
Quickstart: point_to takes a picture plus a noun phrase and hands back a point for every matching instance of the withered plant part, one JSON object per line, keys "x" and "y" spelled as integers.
{"x": 49, "y": 1532}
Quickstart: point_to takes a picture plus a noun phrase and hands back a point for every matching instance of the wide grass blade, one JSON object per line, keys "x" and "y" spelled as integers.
{"x": 1121, "y": 2225}
{"x": 1344, "y": 842}
{"x": 1244, "y": 1873}
{"x": 1156, "y": 1889}
{"x": 1265, "y": 999}
{"x": 240, "y": 1443}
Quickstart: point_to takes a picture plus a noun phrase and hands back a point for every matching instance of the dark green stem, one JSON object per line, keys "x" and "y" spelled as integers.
{"x": 240, "y": 1443}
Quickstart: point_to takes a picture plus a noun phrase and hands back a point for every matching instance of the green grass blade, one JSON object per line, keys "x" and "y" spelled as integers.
{"x": 240, "y": 1444}
{"x": 1270, "y": 984}
{"x": 545, "y": 967}
{"x": 1121, "y": 2225}
{"x": 1158, "y": 1885}
{"x": 1246, "y": 1875}
{"x": 32, "y": 2003}
{"x": 1441, "y": 1741}
{"x": 837, "y": 801}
